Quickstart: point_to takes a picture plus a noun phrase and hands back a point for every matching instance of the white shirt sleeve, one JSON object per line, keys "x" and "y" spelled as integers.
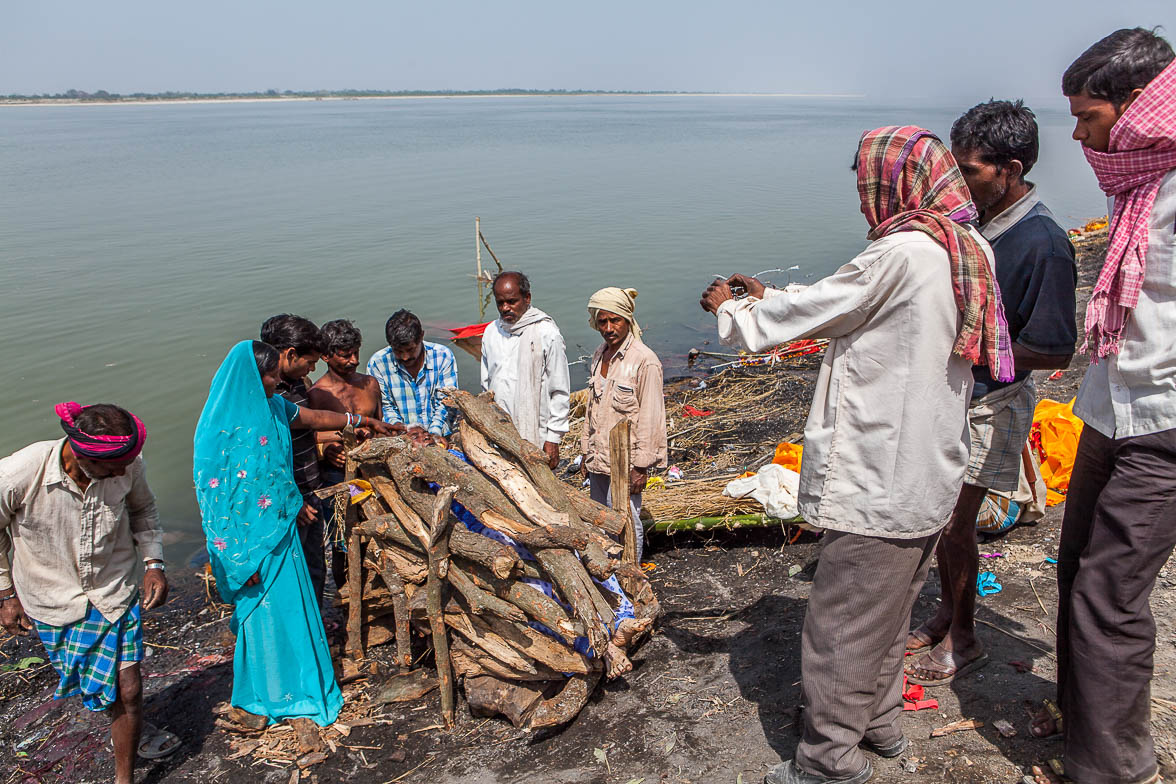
{"x": 559, "y": 389}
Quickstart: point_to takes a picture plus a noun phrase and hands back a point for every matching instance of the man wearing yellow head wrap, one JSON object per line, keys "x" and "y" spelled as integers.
{"x": 626, "y": 383}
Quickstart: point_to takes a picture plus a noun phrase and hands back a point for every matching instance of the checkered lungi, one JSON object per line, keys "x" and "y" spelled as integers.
{"x": 89, "y": 653}
{"x": 999, "y": 424}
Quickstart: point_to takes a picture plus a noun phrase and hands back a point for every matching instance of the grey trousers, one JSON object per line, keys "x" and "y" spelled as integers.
{"x": 598, "y": 489}
{"x": 1118, "y": 531}
{"x": 852, "y": 646}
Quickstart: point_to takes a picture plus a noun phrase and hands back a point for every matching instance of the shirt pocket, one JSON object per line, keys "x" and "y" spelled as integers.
{"x": 625, "y": 400}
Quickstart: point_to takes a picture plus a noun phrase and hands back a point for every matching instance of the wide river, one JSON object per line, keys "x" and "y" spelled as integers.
{"x": 137, "y": 243}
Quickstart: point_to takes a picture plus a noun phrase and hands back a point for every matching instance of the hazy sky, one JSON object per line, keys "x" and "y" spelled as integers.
{"x": 884, "y": 50}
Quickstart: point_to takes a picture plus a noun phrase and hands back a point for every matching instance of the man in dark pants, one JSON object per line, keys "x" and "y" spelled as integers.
{"x": 1118, "y": 527}
{"x": 298, "y": 343}
{"x": 995, "y": 145}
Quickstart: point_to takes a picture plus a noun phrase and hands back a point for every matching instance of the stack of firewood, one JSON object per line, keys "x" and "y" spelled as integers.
{"x": 413, "y": 565}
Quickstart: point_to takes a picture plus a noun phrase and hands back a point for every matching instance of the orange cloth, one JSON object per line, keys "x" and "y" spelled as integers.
{"x": 788, "y": 455}
{"x": 1055, "y": 437}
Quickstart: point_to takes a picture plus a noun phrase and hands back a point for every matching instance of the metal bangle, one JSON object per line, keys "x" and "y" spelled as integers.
{"x": 157, "y": 565}
{"x": 9, "y": 596}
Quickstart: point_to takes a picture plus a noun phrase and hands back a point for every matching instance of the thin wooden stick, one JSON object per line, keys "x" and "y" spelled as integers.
{"x": 1018, "y": 639}
{"x": 618, "y": 460}
{"x": 437, "y": 543}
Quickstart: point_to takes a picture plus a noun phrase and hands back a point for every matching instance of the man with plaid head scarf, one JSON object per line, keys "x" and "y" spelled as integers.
{"x": 886, "y": 441}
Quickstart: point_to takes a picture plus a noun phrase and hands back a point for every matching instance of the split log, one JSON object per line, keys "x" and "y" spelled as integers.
{"x": 596, "y": 514}
{"x": 490, "y": 696}
{"x": 564, "y": 707}
{"x": 495, "y": 556}
{"x": 438, "y": 544}
{"x": 399, "y": 612}
{"x": 619, "y": 470}
{"x": 537, "y": 605}
{"x": 481, "y": 635}
{"x": 387, "y": 490}
{"x": 538, "y": 646}
{"x": 355, "y": 588}
{"x": 407, "y": 565}
{"x": 470, "y": 660}
{"x": 481, "y": 602}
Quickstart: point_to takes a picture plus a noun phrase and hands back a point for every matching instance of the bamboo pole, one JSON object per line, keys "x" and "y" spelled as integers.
{"x": 707, "y": 523}
{"x": 618, "y": 460}
{"x": 478, "y": 244}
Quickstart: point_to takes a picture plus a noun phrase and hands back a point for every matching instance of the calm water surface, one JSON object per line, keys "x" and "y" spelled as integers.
{"x": 139, "y": 242}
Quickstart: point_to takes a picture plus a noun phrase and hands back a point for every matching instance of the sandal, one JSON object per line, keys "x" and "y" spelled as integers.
{"x": 1049, "y": 712}
{"x": 154, "y": 743}
{"x": 944, "y": 672}
{"x": 923, "y": 638}
{"x": 1052, "y": 771}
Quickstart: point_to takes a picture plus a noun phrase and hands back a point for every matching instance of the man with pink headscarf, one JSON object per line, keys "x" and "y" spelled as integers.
{"x": 1118, "y": 531}
{"x": 77, "y": 516}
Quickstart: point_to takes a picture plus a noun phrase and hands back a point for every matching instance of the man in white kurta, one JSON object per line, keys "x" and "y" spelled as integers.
{"x": 885, "y": 449}
{"x": 525, "y": 365}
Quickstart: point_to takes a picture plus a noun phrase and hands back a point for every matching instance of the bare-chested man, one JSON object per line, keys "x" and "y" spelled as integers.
{"x": 341, "y": 389}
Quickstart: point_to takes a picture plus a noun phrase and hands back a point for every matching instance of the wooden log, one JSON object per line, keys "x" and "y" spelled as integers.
{"x": 355, "y": 587}
{"x": 481, "y": 602}
{"x": 490, "y": 696}
{"x": 483, "y": 550}
{"x": 619, "y": 468}
{"x": 538, "y": 646}
{"x": 483, "y": 637}
{"x": 595, "y": 513}
{"x": 537, "y": 605}
{"x": 400, "y": 616}
{"x": 497, "y": 557}
{"x": 469, "y": 659}
{"x": 410, "y": 567}
{"x": 565, "y": 705}
{"x": 387, "y": 490}
{"x": 438, "y": 544}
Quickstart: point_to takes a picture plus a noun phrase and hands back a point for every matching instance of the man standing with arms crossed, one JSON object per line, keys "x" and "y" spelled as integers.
{"x": 995, "y": 145}
{"x": 1118, "y": 529}
{"x": 77, "y": 515}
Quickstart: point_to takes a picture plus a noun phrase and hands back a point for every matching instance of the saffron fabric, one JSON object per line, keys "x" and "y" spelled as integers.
{"x": 100, "y": 447}
{"x": 249, "y": 503}
{"x": 1141, "y": 151}
{"x": 72, "y": 548}
{"x": 614, "y": 300}
{"x": 416, "y": 401}
{"x": 89, "y": 653}
{"x": 909, "y": 181}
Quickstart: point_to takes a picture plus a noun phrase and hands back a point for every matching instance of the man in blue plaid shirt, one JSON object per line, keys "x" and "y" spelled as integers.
{"x": 412, "y": 372}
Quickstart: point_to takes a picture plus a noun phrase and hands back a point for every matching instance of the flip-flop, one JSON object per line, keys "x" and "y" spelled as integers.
{"x": 923, "y": 637}
{"x": 1055, "y": 713}
{"x": 960, "y": 670}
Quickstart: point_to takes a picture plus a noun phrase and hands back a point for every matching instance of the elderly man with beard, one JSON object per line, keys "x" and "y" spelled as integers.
{"x": 625, "y": 384}
{"x": 886, "y": 441}
{"x": 78, "y": 517}
{"x": 525, "y": 365}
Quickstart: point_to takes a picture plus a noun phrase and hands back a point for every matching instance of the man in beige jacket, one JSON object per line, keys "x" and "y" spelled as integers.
{"x": 626, "y": 383}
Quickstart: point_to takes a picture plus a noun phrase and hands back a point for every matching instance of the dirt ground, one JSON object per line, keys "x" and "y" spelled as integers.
{"x": 713, "y": 696}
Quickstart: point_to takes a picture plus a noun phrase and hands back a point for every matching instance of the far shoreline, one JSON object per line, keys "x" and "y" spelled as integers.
{"x": 430, "y": 97}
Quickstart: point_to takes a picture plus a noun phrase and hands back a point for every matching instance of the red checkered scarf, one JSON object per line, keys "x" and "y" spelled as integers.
{"x": 909, "y": 181}
{"x": 1142, "y": 150}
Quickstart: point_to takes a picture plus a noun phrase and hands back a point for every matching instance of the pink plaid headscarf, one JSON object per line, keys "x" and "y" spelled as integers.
{"x": 1142, "y": 150}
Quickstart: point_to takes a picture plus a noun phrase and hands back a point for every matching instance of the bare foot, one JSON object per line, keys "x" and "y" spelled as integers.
{"x": 1046, "y": 722}
{"x": 616, "y": 662}
{"x": 940, "y": 666}
{"x": 924, "y": 637}
{"x": 1043, "y": 774}
{"x": 628, "y": 629}
{"x": 248, "y": 720}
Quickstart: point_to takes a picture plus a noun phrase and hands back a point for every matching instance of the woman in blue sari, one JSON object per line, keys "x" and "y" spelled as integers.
{"x": 249, "y": 505}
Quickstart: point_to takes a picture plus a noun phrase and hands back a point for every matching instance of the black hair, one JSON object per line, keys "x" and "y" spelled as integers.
{"x": 1000, "y": 131}
{"x": 287, "y": 331}
{"x": 524, "y": 283}
{"x": 403, "y": 329}
{"x": 105, "y": 419}
{"x": 266, "y": 357}
{"x": 1125, "y": 60}
{"x": 340, "y": 335}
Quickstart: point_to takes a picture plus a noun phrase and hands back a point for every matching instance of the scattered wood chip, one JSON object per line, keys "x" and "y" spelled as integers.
{"x": 405, "y": 688}
{"x": 313, "y": 758}
{"x": 1005, "y": 727}
{"x": 248, "y": 720}
{"x": 957, "y": 726}
{"x": 245, "y": 748}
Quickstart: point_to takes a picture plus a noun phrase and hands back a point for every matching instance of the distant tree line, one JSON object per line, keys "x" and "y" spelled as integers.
{"x": 103, "y": 95}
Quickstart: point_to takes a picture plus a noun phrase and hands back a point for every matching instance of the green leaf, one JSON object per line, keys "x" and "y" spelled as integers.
{"x": 739, "y": 779}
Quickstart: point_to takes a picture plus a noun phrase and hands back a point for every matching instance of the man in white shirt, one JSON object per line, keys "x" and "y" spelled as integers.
{"x": 525, "y": 365}
{"x": 1118, "y": 529}
{"x": 886, "y": 441}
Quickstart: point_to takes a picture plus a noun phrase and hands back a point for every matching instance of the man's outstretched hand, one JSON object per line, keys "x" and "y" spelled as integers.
{"x": 747, "y": 284}
{"x": 716, "y": 294}
{"x": 551, "y": 449}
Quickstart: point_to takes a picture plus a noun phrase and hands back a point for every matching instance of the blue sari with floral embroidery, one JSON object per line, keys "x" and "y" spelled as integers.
{"x": 249, "y": 506}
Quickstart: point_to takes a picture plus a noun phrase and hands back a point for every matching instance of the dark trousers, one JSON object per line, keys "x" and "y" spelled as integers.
{"x": 311, "y": 537}
{"x": 1118, "y": 530}
{"x": 852, "y": 647}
